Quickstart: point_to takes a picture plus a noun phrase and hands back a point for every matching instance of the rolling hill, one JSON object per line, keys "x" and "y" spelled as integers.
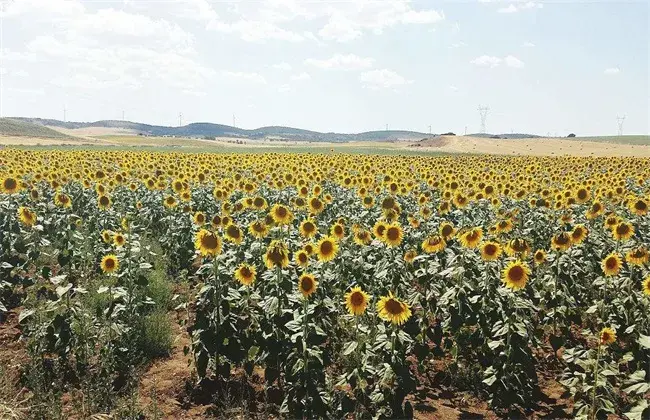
{"x": 220, "y": 130}
{"x": 22, "y": 128}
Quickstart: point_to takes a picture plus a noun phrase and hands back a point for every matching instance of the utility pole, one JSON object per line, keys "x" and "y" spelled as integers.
{"x": 234, "y": 123}
{"x": 429, "y": 129}
{"x": 122, "y": 115}
{"x": 483, "y": 111}
{"x": 620, "y": 121}
{"x": 64, "y": 111}
{"x": 465, "y": 130}
{"x": 180, "y": 119}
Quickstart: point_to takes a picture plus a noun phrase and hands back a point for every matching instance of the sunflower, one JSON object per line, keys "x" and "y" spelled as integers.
{"x": 433, "y": 244}
{"x": 607, "y": 336}
{"x": 326, "y": 249}
{"x": 646, "y": 286}
{"x": 490, "y": 251}
{"x": 356, "y": 300}
{"x": 208, "y": 243}
{"x": 245, "y": 274}
{"x": 62, "y": 200}
{"x": 309, "y": 248}
{"x": 504, "y": 226}
{"x": 307, "y": 284}
{"x": 379, "y": 229}
{"x": 611, "y": 264}
{"x": 518, "y": 247}
{"x": 107, "y": 236}
{"x": 302, "y": 258}
{"x": 471, "y": 238}
{"x": 170, "y": 202}
{"x": 104, "y": 202}
{"x": 198, "y": 218}
{"x": 337, "y": 231}
{"x": 258, "y": 229}
{"x": 391, "y": 309}
{"x": 110, "y": 264}
{"x": 119, "y": 240}
{"x": 259, "y": 203}
{"x": 578, "y": 234}
{"x": 447, "y": 230}
{"x": 281, "y": 214}
{"x": 539, "y": 257}
{"x": 515, "y": 275}
{"x": 362, "y": 237}
{"x": 316, "y": 206}
{"x": 9, "y": 186}
{"x": 276, "y": 255}
{"x": 638, "y": 256}
{"x": 234, "y": 234}
{"x": 623, "y": 231}
{"x": 393, "y": 235}
{"x": 561, "y": 241}
{"x": 410, "y": 255}
{"x": 639, "y": 207}
{"x": 308, "y": 228}
{"x": 26, "y": 216}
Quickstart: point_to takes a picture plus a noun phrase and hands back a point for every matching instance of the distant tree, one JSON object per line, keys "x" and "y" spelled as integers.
{"x": 571, "y": 135}
{"x": 448, "y": 134}
{"x": 495, "y": 137}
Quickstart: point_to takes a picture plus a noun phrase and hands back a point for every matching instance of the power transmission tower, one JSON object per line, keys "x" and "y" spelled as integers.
{"x": 234, "y": 122}
{"x": 465, "y": 130}
{"x": 620, "y": 121}
{"x": 122, "y": 115}
{"x": 429, "y": 129}
{"x": 386, "y": 127}
{"x": 64, "y": 111}
{"x": 483, "y": 111}
{"x": 180, "y": 119}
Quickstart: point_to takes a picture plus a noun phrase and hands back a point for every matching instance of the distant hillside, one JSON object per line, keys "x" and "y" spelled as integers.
{"x": 219, "y": 130}
{"x": 25, "y": 128}
{"x": 506, "y": 136}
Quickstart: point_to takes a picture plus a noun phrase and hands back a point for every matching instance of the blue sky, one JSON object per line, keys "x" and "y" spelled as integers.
{"x": 346, "y": 66}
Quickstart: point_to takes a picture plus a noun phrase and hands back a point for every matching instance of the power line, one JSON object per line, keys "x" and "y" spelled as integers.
{"x": 483, "y": 111}
{"x": 620, "y": 121}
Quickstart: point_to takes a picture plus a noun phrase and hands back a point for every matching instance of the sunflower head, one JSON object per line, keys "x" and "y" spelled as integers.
{"x": 623, "y": 231}
{"x": 302, "y": 258}
{"x": 9, "y": 185}
{"x": 356, "y": 301}
{"x": 276, "y": 255}
{"x": 307, "y": 284}
{"x": 119, "y": 240}
{"x": 433, "y": 244}
{"x": 607, "y": 336}
{"x": 638, "y": 256}
{"x": 337, "y": 231}
{"x": 472, "y": 237}
{"x": 579, "y": 234}
{"x": 490, "y": 251}
{"x": 104, "y": 202}
{"x": 281, "y": 214}
{"x": 515, "y": 275}
{"x": 646, "y": 286}
{"x": 245, "y": 274}
{"x": 110, "y": 264}
{"x": 391, "y": 309}
{"x": 326, "y": 249}
{"x": 208, "y": 243}
{"x": 447, "y": 230}
{"x": 198, "y": 218}
{"x": 561, "y": 241}
{"x": 362, "y": 237}
{"x": 539, "y": 257}
{"x": 26, "y": 216}
{"x": 234, "y": 234}
{"x": 611, "y": 264}
{"x": 308, "y": 228}
{"x": 410, "y": 255}
{"x": 393, "y": 235}
{"x": 258, "y": 229}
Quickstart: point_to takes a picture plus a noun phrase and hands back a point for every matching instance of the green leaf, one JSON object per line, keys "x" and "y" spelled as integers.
{"x": 351, "y": 346}
{"x": 25, "y": 314}
{"x": 644, "y": 341}
{"x": 636, "y": 412}
{"x": 62, "y": 290}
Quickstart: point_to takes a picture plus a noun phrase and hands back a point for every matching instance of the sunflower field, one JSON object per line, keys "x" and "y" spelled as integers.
{"x": 344, "y": 282}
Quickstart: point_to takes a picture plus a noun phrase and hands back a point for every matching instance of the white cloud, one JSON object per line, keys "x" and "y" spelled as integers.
{"x": 486, "y": 61}
{"x": 492, "y": 61}
{"x": 249, "y": 77}
{"x": 41, "y": 7}
{"x": 384, "y": 78}
{"x": 256, "y": 31}
{"x": 27, "y": 91}
{"x": 458, "y": 44}
{"x": 340, "y": 29}
{"x": 284, "y": 88}
{"x": 612, "y": 70}
{"x": 301, "y": 76}
{"x": 199, "y": 10}
{"x": 520, "y": 5}
{"x": 282, "y": 66}
{"x": 453, "y": 88}
{"x": 341, "y": 62}
{"x": 528, "y": 44}
{"x": 197, "y": 93}
{"x": 512, "y": 61}
{"x": 510, "y": 9}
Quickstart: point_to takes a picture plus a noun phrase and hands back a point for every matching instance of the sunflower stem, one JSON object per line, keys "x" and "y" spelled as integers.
{"x": 594, "y": 411}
